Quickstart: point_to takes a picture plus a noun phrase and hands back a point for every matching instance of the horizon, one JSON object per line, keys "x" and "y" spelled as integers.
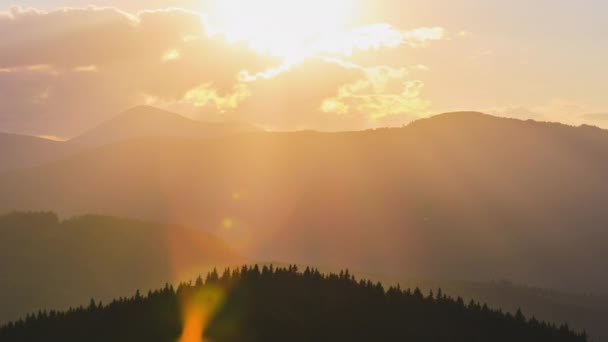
{"x": 433, "y": 145}
{"x": 349, "y": 64}
{"x": 181, "y": 115}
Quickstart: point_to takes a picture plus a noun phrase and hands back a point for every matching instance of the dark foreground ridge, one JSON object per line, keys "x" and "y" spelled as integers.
{"x": 283, "y": 304}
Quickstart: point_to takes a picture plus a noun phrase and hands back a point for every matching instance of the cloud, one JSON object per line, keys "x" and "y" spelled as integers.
{"x": 205, "y": 95}
{"x": 382, "y": 92}
{"x": 85, "y": 68}
{"x": 291, "y": 99}
{"x": 322, "y": 93}
{"x": 371, "y": 37}
{"x": 51, "y": 137}
{"x": 63, "y": 71}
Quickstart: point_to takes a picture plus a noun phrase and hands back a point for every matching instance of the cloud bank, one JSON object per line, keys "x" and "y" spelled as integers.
{"x": 64, "y": 70}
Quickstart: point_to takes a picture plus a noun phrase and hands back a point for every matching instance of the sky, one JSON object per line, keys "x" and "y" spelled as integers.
{"x": 67, "y": 65}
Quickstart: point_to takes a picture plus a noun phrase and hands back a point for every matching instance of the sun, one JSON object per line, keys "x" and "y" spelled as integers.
{"x": 280, "y": 27}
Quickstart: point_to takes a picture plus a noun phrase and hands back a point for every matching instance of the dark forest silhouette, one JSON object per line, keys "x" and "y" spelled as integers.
{"x": 283, "y": 304}
{"x": 458, "y": 196}
{"x": 108, "y": 257}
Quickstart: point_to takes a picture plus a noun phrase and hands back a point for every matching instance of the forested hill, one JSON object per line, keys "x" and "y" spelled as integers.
{"x": 283, "y": 304}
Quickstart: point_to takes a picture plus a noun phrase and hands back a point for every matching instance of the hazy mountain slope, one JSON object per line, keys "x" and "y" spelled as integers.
{"x": 145, "y": 121}
{"x": 20, "y": 151}
{"x": 583, "y": 312}
{"x": 46, "y": 263}
{"x": 461, "y": 195}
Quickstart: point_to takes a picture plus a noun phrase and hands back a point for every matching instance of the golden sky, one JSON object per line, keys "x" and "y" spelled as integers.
{"x": 285, "y": 65}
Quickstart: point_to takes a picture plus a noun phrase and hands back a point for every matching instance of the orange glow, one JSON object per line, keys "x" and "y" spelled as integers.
{"x": 228, "y": 223}
{"x": 193, "y": 326}
{"x": 171, "y": 55}
{"x": 198, "y": 311}
{"x": 51, "y": 137}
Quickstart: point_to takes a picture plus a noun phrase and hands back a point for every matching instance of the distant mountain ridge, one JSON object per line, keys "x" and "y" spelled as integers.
{"x": 457, "y": 196}
{"x": 146, "y": 121}
{"x": 511, "y": 194}
{"x": 21, "y": 151}
{"x": 24, "y": 151}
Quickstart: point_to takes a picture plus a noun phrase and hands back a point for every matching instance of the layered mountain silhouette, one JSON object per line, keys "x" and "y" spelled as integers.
{"x": 146, "y": 121}
{"x": 106, "y": 257}
{"x": 456, "y": 196}
{"x": 46, "y": 263}
{"x": 461, "y": 195}
{"x": 22, "y": 151}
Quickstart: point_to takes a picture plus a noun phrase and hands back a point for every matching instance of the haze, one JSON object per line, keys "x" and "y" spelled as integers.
{"x": 286, "y": 65}
{"x": 455, "y": 151}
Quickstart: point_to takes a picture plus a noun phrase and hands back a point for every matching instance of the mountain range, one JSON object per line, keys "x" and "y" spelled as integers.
{"x": 23, "y": 151}
{"x": 523, "y": 200}
{"x": 458, "y": 196}
{"x": 146, "y": 121}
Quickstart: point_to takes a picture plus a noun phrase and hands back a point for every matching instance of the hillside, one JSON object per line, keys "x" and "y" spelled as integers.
{"x": 146, "y": 121}
{"x": 284, "y": 305}
{"x": 21, "y": 151}
{"x": 53, "y": 264}
{"x": 117, "y": 255}
{"x": 458, "y": 196}
{"x": 582, "y": 312}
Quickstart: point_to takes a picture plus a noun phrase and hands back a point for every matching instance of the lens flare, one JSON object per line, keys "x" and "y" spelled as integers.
{"x": 198, "y": 310}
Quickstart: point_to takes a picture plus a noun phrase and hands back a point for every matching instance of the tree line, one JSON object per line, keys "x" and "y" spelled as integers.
{"x": 267, "y": 303}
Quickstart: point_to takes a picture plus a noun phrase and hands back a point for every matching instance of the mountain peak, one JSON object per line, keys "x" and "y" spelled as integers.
{"x": 146, "y": 121}
{"x": 465, "y": 116}
{"x": 465, "y": 120}
{"x": 147, "y": 112}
